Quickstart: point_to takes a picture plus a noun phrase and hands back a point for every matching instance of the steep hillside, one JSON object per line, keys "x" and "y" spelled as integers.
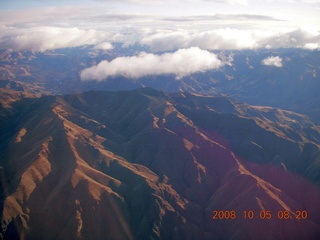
{"x": 145, "y": 164}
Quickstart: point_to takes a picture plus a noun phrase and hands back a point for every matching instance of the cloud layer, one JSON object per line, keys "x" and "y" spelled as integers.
{"x": 48, "y": 38}
{"x": 44, "y": 38}
{"x": 162, "y": 27}
{"x": 229, "y": 38}
{"x": 272, "y": 61}
{"x": 180, "y": 63}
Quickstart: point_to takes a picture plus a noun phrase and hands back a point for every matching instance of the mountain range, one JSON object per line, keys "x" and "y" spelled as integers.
{"x": 292, "y": 84}
{"x": 148, "y": 164}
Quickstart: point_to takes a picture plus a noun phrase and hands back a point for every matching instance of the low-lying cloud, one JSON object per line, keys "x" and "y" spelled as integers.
{"x": 53, "y": 28}
{"x": 49, "y": 38}
{"x": 210, "y": 40}
{"x": 272, "y": 61}
{"x": 180, "y": 63}
{"x": 229, "y": 38}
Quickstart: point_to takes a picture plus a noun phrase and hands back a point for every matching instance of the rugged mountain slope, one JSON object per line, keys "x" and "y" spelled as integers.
{"x": 145, "y": 164}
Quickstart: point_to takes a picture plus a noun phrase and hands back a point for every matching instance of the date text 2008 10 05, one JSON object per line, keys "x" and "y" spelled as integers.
{"x": 263, "y": 215}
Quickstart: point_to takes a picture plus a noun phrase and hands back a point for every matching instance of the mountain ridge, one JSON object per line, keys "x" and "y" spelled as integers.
{"x": 293, "y": 86}
{"x": 150, "y": 159}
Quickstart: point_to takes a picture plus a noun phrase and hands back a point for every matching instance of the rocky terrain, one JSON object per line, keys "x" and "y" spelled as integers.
{"x": 145, "y": 164}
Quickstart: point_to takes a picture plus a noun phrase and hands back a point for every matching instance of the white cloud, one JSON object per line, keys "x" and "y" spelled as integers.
{"x": 229, "y": 38}
{"x": 48, "y": 38}
{"x": 44, "y": 38}
{"x": 47, "y": 27}
{"x": 104, "y": 46}
{"x": 180, "y": 63}
{"x": 217, "y": 39}
{"x": 272, "y": 61}
{"x": 312, "y": 46}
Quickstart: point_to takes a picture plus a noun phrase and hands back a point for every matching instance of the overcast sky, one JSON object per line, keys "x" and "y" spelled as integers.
{"x": 167, "y": 25}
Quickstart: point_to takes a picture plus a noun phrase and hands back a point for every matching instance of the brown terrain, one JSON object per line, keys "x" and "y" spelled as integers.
{"x": 145, "y": 164}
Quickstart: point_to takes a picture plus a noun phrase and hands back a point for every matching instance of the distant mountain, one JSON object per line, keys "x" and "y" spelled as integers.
{"x": 294, "y": 86}
{"x": 146, "y": 164}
